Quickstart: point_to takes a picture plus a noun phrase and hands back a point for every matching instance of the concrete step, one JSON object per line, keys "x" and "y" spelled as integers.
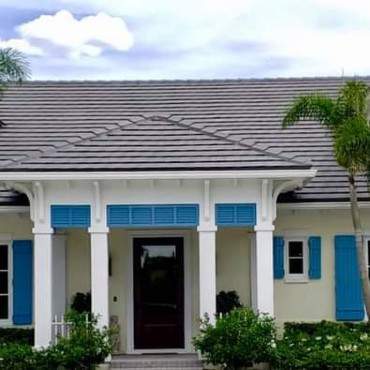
{"x": 155, "y": 368}
{"x": 156, "y": 362}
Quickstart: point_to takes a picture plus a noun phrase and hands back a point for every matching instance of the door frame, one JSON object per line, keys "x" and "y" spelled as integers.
{"x": 186, "y": 235}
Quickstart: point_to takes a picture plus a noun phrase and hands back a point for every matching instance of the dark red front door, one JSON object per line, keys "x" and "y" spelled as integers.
{"x": 158, "y": 293}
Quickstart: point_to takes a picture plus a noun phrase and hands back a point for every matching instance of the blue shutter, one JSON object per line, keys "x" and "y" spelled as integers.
{"x": 278, "y": 257}
{"x": 187, "y": 215}
{"x": 161, "y": 215}
{"x": 164, "y": 215}
{"x": 70, "y": 216}
{"x": 118, "y": 216}
{"x": 348, "y": 290}
{"x": 314, "y": 246}
{"x": 235, "y": 214}
{"x": 142, "y": 215}
{"x": 22, "y": 282}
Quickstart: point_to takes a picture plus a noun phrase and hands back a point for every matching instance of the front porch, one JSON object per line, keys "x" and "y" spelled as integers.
{"x": 84, "y": 235}
{"x": 233, "y": 272}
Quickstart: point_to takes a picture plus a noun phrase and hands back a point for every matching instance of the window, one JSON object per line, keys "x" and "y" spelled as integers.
{"x": 296, "y": 259}
{"x": 4, "y": 281}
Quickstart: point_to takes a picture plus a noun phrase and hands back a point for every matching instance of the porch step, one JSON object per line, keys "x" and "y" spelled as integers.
{"x": 157, "y": 362}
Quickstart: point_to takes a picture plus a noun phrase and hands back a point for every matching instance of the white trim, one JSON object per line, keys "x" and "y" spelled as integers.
{"x": 296, "y": 278}
{"x": 9, "y": 321}
{"x": 320, "y": 205}
{"x": 159, "y": 175}
{"x": 187, "y": 289}
{"x": 14, "y": 209}
{"x": 366, "y": 246}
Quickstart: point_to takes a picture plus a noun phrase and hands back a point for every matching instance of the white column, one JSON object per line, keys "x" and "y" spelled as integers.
{"x": 264, "y": 279}
{"x": 43, "y": 278}
{"x": 207, "y": 271}
{"x": 100, "y": 275}
{"x": 59, "y": 275}
{"x": 253, "y": 272}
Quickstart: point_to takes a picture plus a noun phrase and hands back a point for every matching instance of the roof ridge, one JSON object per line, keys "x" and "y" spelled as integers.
{"x": 182, "y": 123}
{"x": 199, "y": 80}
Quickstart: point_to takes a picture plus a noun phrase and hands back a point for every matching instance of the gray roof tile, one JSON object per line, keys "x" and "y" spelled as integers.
{"x": 101, "y": 125}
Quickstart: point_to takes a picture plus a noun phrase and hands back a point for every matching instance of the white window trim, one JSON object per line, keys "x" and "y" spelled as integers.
{"x": 9, "y": 320}
{"x": 296, "y": 278}
{"x": 367, "y": 240}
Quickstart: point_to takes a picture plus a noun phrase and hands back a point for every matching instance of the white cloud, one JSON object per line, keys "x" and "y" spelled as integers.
{"x": 87, "y": 36}
{"x": 198, "y": 38}
{"x": 22, "y": 45}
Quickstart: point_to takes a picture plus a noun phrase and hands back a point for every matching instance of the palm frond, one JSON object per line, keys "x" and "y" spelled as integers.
{"x": 317, "y": 107}
{"x": 353, "y": 98}
{"x": 352, "y": 145}
{"x": 14, "y": 67}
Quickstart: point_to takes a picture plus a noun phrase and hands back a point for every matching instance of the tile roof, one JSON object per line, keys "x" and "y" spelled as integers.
{"x": 154, "y": 125}
{"x": 153, "y": 143}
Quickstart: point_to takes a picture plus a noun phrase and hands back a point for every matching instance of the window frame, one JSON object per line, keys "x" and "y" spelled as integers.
{"x": 296, "y": 278}
{"x": 9, "y": 320}
{"x": 367, "y": 247}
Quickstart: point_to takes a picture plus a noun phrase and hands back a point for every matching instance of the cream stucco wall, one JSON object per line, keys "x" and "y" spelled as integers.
{"x": 315, "y": 299}
{"x": 77, "y": 263}
{"x": 16, "y": 225}
{"x": 233, "y": 262}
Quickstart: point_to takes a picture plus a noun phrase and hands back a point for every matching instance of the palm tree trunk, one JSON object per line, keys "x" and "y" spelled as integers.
{"x": 360, "y": 247}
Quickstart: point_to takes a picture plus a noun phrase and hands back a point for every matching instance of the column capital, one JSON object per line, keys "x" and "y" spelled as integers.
{"x": 207, "y": 228}
{"x": 42, "y": 229}
{"x": 98, "y": 229}
{"x": 264, "y": 227}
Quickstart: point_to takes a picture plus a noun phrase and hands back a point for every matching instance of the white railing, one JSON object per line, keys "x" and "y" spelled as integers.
{"x": 62, "y": 328}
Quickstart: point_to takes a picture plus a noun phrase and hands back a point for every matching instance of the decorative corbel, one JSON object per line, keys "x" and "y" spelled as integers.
{"x": 283, "y": 187}
{"x": 266, "y": 190}
{"x": 206, "y": 198}
{"x": 97, "y": 201}
{"x": 22, "y": 188}
{"x": 39, "y": 195}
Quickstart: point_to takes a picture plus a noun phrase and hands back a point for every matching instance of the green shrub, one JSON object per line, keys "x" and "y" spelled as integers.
{"x": 17, "y": 357}
{"x": 324, "y": 327}
{"x": 227, "y": 301}
{"x": 237, "y": 339}
{"x": 326, "y": 345}
{"x": 16, "y": 335}
{"x": 85, "y": 347}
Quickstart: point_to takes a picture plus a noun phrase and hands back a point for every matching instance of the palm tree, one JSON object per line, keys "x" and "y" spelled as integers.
{"x": 14, "y": 67}
{"x": 347, "y": 118}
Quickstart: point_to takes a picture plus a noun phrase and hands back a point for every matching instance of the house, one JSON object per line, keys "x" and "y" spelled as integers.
{"x": 155, "y": 195}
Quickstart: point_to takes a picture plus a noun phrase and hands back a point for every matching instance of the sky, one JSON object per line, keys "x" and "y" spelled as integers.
{"x": 188, "y": 39}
